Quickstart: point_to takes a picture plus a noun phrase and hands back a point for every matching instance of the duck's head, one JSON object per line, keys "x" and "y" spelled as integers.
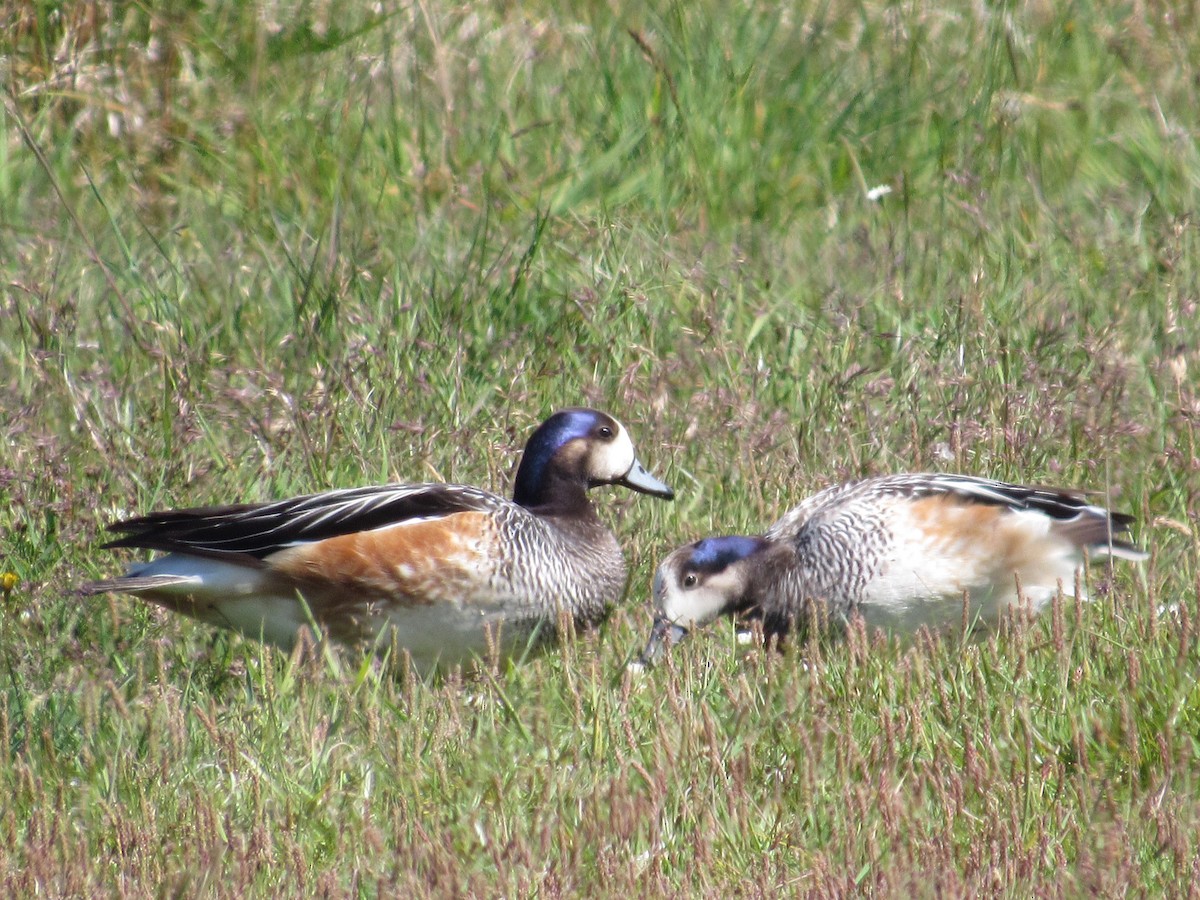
{"x": 577, "y": 449}
{"x": 701, "y": 582}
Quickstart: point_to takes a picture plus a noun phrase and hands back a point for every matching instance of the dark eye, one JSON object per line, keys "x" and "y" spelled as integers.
{"x": 604, "y": 431}
{"x": 689, "y": 580}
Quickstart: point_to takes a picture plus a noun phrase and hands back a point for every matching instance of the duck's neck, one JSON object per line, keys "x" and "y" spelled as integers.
{"x": 786, "y": 597}
{"x": 552, "y": 493}
{"x": 764, "y": 573}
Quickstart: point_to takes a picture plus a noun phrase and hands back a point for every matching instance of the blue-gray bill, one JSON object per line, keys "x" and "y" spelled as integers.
{"x": 638, "y": 479}
{"x": 662, "y": 635}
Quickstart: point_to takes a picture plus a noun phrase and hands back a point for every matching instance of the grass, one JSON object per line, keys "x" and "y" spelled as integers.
{"x": 256, "y": 250}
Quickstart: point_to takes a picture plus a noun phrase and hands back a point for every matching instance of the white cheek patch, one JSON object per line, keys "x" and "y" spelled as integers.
{"x": 612, "y": 460}
{"x": 694, "y": 606}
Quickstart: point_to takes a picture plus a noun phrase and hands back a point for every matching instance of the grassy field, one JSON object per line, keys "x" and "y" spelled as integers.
{"x": 254, "y": 250}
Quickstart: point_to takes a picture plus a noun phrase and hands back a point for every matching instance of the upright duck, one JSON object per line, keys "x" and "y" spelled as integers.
{"x": 902, "y": 551}
{"x": 442, "y": 571}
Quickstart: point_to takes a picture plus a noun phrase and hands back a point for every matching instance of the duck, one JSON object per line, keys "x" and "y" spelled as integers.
{"x": 900, "y": 551}
{"x": 444, "y": 574}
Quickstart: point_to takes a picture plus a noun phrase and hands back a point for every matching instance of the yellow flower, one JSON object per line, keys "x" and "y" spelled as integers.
{"x": 8, "y": 581}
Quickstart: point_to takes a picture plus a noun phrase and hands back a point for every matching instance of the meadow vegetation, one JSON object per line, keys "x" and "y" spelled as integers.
{"x": 253, "y": 250}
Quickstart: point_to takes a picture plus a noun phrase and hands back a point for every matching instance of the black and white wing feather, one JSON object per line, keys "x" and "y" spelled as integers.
{"x": 1086, "y": 523}
{"x": 259, "y": 529}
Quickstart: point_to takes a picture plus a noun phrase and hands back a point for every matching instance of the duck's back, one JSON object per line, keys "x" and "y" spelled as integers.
{"x": 905, "y": 550}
